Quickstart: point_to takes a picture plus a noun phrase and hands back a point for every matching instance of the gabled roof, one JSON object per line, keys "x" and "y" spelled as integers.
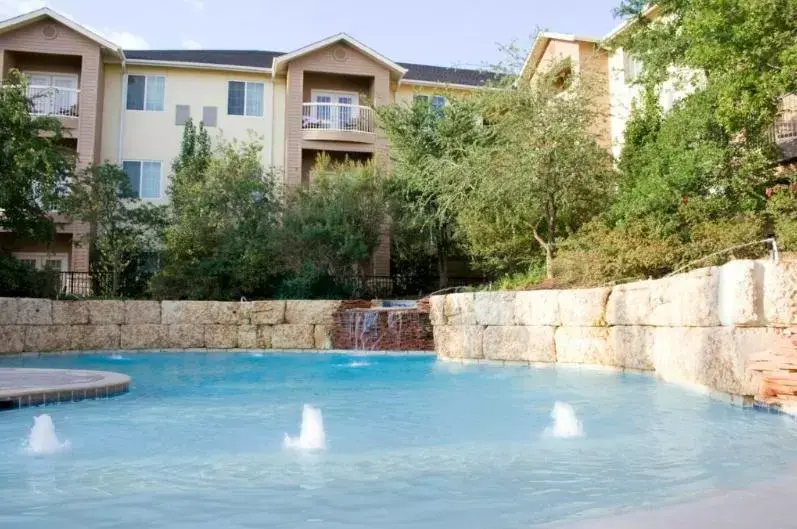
{"x": 541, "y": 43}
{"x": 650, "y": 12}
{"x": 257, "y": 60}
{"x": 282, "y": 60}
{"x": 45, "y": 12}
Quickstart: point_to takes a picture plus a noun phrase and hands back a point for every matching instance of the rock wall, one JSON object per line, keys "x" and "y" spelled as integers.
{"x": 40, "y": 325}
{"x": 699, "y": 328}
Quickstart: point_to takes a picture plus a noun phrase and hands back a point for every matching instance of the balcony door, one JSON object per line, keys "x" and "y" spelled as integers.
{"x": 335, "y": 110}
{"x": 53, "y": 93}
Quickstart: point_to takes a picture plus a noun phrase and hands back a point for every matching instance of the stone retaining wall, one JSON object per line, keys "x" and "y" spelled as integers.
{"x": 40, "y": 325}
{"x": 698, "y": 328}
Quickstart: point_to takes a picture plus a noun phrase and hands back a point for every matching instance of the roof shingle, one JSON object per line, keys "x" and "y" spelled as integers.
{"x": 263, "y": 59}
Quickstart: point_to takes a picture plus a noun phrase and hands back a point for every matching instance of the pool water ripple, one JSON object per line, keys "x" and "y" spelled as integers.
{"x": 410, "y": 443}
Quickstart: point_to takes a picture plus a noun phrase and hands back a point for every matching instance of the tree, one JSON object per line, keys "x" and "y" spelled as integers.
{"x": 744, "y": 50}
{"x": 121, "y": 226}
{"x": 332, "y": 228}
{"x": 425, "y": 143}
{"x": 541, "y": 177}
{"x": 222, "y": 238}
{"x": 34, "y": 165}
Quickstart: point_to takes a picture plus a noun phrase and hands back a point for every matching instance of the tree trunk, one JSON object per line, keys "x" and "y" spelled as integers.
{"x": 442, "y": 267}
{"x": 548, "y": 247}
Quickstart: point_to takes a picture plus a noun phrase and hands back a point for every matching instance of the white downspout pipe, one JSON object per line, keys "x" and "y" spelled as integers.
{"x": 122, "y": 105}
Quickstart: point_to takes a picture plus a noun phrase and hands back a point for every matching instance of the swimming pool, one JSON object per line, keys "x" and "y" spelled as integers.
{"x": 410, "y": 442}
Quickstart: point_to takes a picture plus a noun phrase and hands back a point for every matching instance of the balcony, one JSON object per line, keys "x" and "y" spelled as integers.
{"x": 54, "y": 101}
{"x": 338, "y": 122}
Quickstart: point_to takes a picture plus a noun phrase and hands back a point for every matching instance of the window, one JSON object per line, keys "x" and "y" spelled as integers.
{"x": 145, "y": 92}
{"x": 145, "y": 178}
{"x": 58, "y": 262}
{"x": 332, "y": 110}
{"x": 245, "y": 99}
{"x": 436, "y": 101}
{"x": 632, "y": 67}
{"x": 53, "y": 94}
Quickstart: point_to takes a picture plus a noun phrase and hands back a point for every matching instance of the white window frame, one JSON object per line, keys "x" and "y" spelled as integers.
{"x": 632, "y": 68}
{"x": 41, "y": 259}
{"x": 355, "y": 97}
{"x": 141, "y": 176}
{"x": 146, "y": 77}
{"x": 246, "y": 91}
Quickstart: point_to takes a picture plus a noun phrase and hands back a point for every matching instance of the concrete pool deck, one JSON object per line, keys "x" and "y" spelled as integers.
{"x": 767, "y": 504}
{"x": 20, "y": 387}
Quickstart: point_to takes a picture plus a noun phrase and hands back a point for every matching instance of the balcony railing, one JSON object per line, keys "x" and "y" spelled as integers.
{"x": 337, "y": 117}
{"x": 54, "y": 101}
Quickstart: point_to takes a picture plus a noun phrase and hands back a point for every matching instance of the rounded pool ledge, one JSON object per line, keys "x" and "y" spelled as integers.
{"x": 21, "y": 387}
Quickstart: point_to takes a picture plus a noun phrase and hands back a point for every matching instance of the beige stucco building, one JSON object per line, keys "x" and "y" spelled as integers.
{"x": 613, "y": 72}
{"x": 128, "y": 107}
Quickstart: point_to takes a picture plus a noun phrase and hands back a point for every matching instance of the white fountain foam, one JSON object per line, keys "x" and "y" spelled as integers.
{"x": 565, "y": 422}
{"x": 356, "y": 363}
{"x": 117, "y": 357}
{"x": 312, "y": 435}
{"x": 42, "y": 438}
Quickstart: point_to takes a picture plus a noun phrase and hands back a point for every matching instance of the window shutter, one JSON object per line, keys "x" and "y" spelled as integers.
{"x": 209, "y": 116}
{"x": 182, "y": 113}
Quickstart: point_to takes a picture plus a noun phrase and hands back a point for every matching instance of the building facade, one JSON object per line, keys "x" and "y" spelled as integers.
{"x": 614, "y": 72}
{"x": 128, "y": 107}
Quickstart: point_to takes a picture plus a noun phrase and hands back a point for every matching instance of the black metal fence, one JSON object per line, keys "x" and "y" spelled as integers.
{"x": 134, "y": 286}
{"x": 100, "y": 285}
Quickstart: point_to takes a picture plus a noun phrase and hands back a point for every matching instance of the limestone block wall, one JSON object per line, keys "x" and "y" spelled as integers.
{"x": 698, "y": 328}
{"x": 41, "y": 325}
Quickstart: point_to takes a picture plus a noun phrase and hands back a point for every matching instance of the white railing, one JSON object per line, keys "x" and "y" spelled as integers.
{"x": 337, "y": 117}
{"x": 53, "y": 101}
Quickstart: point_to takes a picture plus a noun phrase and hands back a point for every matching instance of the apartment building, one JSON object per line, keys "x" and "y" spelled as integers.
{"x": 128, "y": 107}
{"x": 616, "y": 71}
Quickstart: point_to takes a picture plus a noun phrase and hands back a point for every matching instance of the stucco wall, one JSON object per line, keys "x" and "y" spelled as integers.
{"x": 698, "y": 328}
{"x": 42, "y": 325}
{"x": 153, "y": 136}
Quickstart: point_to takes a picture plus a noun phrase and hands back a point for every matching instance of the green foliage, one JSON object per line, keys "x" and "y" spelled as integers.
{"x": 538, "y": 179}
{"x": 698, "y": 184}
{"x": 20, "y": 280}
{"x": 745, "y": 49}
{"x": 121, "y": 227}
{"x": 782, "y": 211}
{"x": 34, "y": 165}
{"x": 333, "y": 226}
{"x": 427, "y": 145}
{"x": 221, "y": 240}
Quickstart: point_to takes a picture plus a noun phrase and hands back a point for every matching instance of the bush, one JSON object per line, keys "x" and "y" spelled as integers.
{"x": 334, "y": 226}
{"x": 18, "y": 279}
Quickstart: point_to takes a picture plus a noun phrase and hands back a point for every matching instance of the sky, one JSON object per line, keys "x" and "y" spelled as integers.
{"x": 464, "y": 33}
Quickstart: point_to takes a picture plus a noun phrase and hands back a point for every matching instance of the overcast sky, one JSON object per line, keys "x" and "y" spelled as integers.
{"x": 440, "y": 32}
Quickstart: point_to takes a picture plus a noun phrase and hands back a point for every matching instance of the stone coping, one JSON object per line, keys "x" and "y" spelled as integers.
{"x": 346, "y": 352}
{"x": 20, "y": 387}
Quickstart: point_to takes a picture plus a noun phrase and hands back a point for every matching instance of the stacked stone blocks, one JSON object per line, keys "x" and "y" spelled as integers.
{"x": 698, "y": 328}
{"x": 41, "y": 325}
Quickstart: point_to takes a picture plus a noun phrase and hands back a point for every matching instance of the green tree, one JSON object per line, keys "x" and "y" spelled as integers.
{"x": 541, "y": 176}
{"x": 425, "y": 143}
{"x": 34, "y": 165}
{"x": 332, "y": 228}
{"x": 744, "y": 50}
{"x": 121, "y": 227}
{"x": 222, "y": 237}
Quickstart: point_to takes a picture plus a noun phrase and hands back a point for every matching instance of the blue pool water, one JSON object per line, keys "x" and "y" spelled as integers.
{"x": 411, "y": 443}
